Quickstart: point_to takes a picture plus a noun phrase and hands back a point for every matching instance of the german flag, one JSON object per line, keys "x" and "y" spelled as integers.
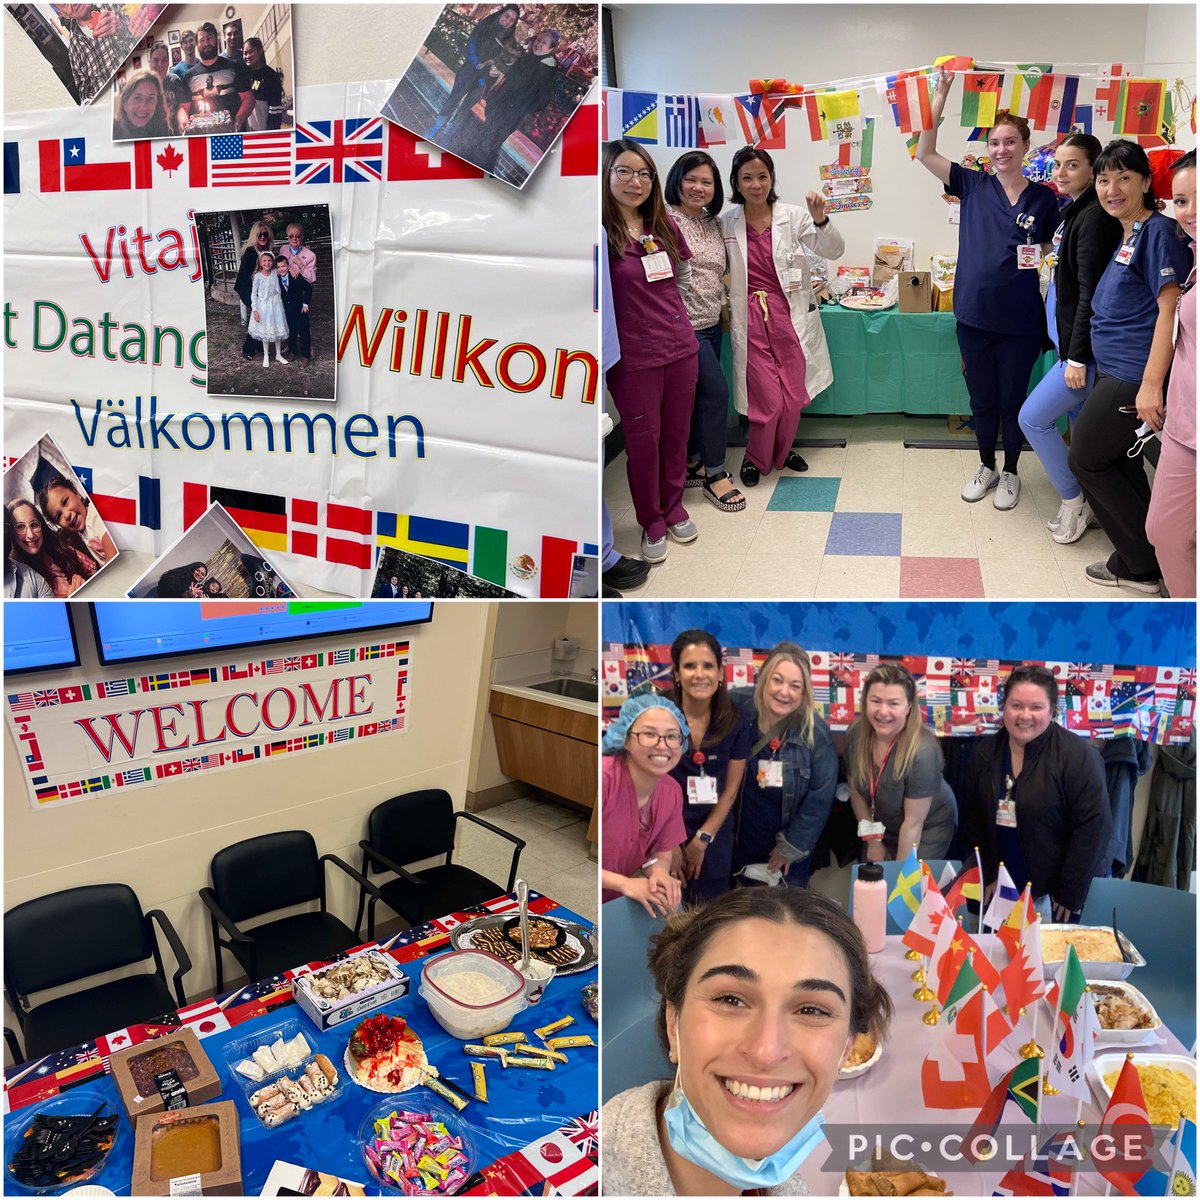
{"x": 262, "y": 517}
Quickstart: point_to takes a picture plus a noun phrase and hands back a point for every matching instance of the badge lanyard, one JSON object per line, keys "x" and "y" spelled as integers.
{"x": 1029, "y": 256}
{"x": 770, "y": 773}
{"x": 656, "y": 263}
{"x": 873, "y": 830}
{"x": 1006, "y": 807}
{"x": 1125, "y": 254}
{"x": 702, "y": 788}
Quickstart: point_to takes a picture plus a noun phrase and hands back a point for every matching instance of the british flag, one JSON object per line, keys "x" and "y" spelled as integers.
{"x": 349, "y": 151}
{"x": 584, "y": 1131}
{"x": 276, "y": 666}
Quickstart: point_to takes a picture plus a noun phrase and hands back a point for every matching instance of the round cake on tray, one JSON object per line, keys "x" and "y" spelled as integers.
{"x": 385, "y": 1055}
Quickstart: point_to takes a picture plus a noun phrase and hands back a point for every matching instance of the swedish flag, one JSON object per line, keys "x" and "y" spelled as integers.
{"x": 906, "y": 895}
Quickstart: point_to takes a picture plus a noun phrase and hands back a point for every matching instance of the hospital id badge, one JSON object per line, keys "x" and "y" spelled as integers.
{"x": 1125, "y": 255}
{"x": 870, "y": 831}
{"x": 1029, "y": 257}
{"x": 702, "y": 789}
{"x": 770, "y": 774}
{"x": 793, "y": 280}
{"x": 1006, "y": 813}
{"x": 657, "y": 266}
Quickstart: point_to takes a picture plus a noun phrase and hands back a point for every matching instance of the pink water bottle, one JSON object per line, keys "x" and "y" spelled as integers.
{"x": 870, "y": 906}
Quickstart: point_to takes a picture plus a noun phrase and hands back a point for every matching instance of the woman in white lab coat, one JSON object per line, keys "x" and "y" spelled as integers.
{"x": 780, "y": 359}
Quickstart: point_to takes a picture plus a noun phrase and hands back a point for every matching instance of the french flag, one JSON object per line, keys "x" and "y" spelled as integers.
{"x": 63, "y": 167}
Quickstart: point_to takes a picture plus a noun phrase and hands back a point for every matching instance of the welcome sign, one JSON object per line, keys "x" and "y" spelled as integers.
{"x": 466, "y": 338}
{"x": 85, "y": 739}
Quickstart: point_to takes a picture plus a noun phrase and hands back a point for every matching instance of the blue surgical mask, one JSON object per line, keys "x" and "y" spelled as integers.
{"x": 691, "y": 1140}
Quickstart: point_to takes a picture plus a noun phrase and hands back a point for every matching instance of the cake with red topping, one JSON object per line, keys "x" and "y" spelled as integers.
{"x": 385, "y": 1055}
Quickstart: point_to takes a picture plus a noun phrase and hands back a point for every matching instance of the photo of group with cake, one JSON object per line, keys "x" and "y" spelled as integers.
{"x": 214, "y": 560}
{"x": 495, "y": 84}
{"x": 54, "y": 539}
{"x": 268, "y": 288}
{"x": 223, "y": 75}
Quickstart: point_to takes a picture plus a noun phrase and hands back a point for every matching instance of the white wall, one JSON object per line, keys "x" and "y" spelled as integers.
{"x": 720, "y": 47}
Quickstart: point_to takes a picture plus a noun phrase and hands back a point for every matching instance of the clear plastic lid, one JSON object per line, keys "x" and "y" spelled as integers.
{"x": 439, "y": 973}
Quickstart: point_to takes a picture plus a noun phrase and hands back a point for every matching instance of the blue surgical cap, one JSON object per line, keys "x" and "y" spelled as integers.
{"x": 616, "y": 734}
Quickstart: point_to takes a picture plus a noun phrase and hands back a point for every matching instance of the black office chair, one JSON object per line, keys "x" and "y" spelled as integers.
{"x": 262, "y": 875}
{"x": 73, "y": 935}
{"x": 416, "y": 826}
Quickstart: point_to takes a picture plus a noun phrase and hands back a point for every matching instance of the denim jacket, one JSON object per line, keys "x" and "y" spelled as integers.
{"x": 809, "y": 780}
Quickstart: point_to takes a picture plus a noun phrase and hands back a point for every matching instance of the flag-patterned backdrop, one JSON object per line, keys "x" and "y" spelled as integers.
{"x": 467, "y": 342}
{"x": 88, "y": 738}
{"x": 1148, "y": 693}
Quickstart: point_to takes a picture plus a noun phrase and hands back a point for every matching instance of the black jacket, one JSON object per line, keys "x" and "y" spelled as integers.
{"x": 297, "y": 294}
{"x": 1063, "y": 819}
{"x": 1089, "y": 240}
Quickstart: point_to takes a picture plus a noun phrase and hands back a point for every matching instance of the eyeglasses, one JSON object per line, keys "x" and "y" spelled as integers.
{"x": 625, "y": 174}
{"x": 649, "y": 738}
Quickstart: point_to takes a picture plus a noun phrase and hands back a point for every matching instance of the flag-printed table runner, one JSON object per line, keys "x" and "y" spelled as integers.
{"x": 88, "y": 739}
{"x": 426, "y": 301}
{"x": 961, "y": 696}
{"x": 547, "y": 1149}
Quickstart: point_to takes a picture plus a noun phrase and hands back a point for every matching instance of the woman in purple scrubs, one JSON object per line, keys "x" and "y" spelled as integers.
{"x": 997, "y": 302}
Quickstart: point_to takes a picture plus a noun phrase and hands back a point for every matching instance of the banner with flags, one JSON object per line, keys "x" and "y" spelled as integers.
{"x": 981, "y": 98}
{"x": 92, "y": 737}
{"x": 465, "y": 336}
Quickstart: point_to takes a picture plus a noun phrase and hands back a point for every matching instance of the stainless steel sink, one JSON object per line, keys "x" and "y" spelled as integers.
{"x": 573, "y": 689}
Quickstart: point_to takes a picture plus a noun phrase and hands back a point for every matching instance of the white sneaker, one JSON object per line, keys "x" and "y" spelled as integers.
{"x": 1008, "y": 491}
{"x": 975, "y": 489}
{"x": 1071, "y": 524}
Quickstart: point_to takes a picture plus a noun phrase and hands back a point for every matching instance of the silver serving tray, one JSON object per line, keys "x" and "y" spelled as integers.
{"x": 582, "y": 941}
{"x": 1091, "y": 969}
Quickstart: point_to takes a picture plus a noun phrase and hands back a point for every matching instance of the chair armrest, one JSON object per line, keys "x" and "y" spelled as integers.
{"x": 355, "y": 875}
{"x": 14, "y": 1047}
{"x": 518, "y": 843}
{"x": 182, "y": 960}
{"x": 387, "y": 863}
{"x": 209, "y": 897}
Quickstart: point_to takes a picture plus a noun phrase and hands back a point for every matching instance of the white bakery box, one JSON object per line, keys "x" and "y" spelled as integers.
{"x": 326, "y": 1013}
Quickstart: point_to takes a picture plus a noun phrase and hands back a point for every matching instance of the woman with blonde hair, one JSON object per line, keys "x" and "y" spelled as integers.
{"x": 791, "y": 772}
{"x": 894, "y": 768}
{"x": 141, "y": 109}
{"x": 259, "y": 241}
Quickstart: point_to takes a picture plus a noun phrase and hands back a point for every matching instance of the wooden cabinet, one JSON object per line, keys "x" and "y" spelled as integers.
{"x": 548, "y": 746}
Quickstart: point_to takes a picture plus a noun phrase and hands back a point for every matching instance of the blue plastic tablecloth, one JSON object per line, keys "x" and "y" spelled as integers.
{"x": 523, "y": 1105}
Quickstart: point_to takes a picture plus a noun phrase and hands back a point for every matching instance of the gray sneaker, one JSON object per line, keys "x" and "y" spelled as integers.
{"x": 975, "y": 489}
{"x": 1071, "y": 524}
{"x": 1008, "y": 491}
{"x": 1099, "y": 573}
{"x": 654, "y": 551}
{"x": 684, "y": 531}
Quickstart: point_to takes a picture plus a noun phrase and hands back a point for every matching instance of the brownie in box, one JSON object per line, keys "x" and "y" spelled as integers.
{"x": 376, "y": 978}
{"x": 198, "y": 1145}
{"x": 169, "y": 1072}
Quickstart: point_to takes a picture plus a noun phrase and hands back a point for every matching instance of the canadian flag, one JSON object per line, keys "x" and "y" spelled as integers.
{"x": 204, "y": 1018}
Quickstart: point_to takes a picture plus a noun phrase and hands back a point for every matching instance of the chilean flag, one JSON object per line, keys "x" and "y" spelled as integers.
{"x": 64, "y": 167}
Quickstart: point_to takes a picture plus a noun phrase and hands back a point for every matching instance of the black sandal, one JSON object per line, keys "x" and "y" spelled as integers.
{"x": 732, "y": 501}
{"x": 695, "y": 476}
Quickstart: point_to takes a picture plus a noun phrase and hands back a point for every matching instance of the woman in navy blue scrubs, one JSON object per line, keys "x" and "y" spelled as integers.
{"x": 1133, "y": 312}
{"x": 997, "y": 302}
{"x": 710, "y": 770}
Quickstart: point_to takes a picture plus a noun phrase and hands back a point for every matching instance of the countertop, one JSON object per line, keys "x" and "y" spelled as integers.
{"x": 522, "y": 687}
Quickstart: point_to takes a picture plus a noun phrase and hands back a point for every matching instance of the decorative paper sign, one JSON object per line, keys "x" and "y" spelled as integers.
{"x": 847, "y": 203}
{"x": 465, "y": 334}
{"x": 131, "y": 731}
{"x": 838, "y": 188}
{"x": 959, "y": 696}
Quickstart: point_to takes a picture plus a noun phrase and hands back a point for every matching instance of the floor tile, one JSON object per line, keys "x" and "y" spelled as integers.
{"x": 940, "y": 578}
{"x": 777, "y": 577}
{"x": 804, "y": 493}
{"x": 1018, "y": 579}
{"x": 863, "y": 534}
{"x": 803, "y": 534}
{"x": 850, "y": 578}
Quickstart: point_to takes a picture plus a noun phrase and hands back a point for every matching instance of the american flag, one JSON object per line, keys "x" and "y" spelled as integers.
{"x": 21, "y": 701}
{"x": 349, "y": 151}
{"x": 247, "y": 159}
{"x": 276, "y": 666}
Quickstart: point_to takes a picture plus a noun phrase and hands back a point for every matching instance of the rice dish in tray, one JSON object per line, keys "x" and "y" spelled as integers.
{"x": 1168, "y": 1093}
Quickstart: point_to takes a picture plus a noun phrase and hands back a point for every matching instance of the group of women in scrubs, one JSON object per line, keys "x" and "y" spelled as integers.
{"x": 744, "y": 783}
{"x": 1119, "y": 271}
{"x": 694, "y": 266}
{"x": 1119, "y": 313}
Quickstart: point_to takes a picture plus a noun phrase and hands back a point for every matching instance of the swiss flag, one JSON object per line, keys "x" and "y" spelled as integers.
{"x": 954, "y": 1074}
{"x": 408, "y": 157}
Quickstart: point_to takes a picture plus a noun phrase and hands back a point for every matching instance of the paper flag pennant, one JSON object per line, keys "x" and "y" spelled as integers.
{"x": 981, "y": 98}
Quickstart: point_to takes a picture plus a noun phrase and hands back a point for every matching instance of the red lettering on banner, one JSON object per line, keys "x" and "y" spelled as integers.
{"x": 358, "y": 694}
{"x": 162, "y": 728}
{"x": 356, "y": 325}
{"x": 465, "y": 357}
{"x": 197, "y": 707}
{"x": 266, "y": 709}
{"x": 307, "y": 697}
{"x": 115, "y": 732}
{"x": 243, "y": 733}
{"x": 537, "y": 376}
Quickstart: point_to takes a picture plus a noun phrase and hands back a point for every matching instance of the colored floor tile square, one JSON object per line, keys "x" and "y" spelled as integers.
{"x": 864, "y": 534}
{"x": 940, "y": 578}
{"x": 804, "y": 494}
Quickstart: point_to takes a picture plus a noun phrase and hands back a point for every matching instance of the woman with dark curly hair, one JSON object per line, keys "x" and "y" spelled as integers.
{"x": 59, "y": 557}
{"x": 761, "y": 994}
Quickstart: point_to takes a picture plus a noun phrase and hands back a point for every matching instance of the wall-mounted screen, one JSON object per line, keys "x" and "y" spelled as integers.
{"x": 38, "y": 637}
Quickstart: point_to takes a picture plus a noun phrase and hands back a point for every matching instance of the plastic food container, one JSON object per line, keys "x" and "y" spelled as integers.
{"x": 450, "y": 983}
{"x": 1128, "y": 1037}
{"x": 437, "y": 1112}
{"x": 78, "y": 1102}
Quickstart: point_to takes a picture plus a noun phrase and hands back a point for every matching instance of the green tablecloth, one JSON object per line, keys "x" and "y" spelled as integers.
{"x": 888, "y": 362}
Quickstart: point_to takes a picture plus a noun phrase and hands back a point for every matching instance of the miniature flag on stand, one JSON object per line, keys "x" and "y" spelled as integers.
{"x": 981, "y": 98}
{"x": 905, "y": 898}
{"x": 1021, "y": 914}
{"x": 929, "y": 918}
{"x": 1023, "y": 978}
{"x": 1074, "y": 1029}
{"x": 955, "y": 1074}
{"x": 1127, "y": 1109}
{"x": 1049, "y": 1174}
{"x": 967, "y": 885}
{"x": 1020, "y": 1086}
{"x": 1180, "y": 1151}
{"x": 1003, "y": 898}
